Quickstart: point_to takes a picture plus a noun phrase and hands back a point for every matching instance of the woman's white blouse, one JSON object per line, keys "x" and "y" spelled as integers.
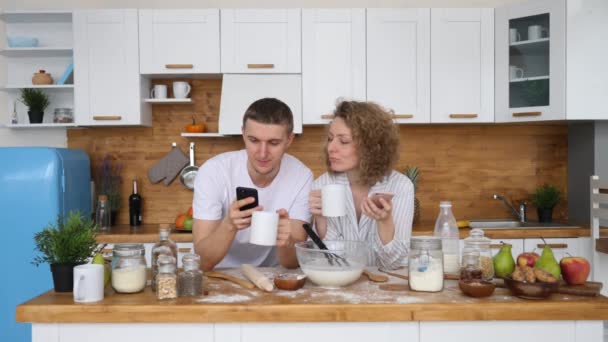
{"x": 393, "y": 254}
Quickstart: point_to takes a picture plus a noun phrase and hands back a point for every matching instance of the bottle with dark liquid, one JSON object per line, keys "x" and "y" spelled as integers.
{"x": 135, "y": 202}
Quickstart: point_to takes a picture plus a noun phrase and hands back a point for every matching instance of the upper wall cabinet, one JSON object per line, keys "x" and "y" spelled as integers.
{"x": 261, "y": 41}
{"x": 462, "y": 65}
{"x": 106, "y": 64}
{"x": 530, "y": 61}
{"x": 179, "y": 41}
{"x": 333, "y": 60}
{"x": 398, "y": 61}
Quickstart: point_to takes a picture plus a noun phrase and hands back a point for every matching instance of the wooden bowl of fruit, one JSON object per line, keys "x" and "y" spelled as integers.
{"x": 531, "y": 283}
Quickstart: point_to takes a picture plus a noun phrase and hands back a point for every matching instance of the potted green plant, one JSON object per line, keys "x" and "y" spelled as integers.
{"x": 64, "y": 245}
{"x": 413, "y": 173}
{"x": 36, "y": 101}
{"x": 545, "y": 198}
{"x": 108, "y": 182}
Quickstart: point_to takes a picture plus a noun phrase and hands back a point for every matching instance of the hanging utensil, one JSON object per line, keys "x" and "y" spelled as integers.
{"x": 188, "y": 174}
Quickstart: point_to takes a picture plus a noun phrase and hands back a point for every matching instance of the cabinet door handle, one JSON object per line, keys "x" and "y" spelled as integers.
{"x": 552, "y": 245}
{"x": 522, "y": 114}
{"x": 403, "y": 116}
{"x": 179, "y": 66}
{"x": 327, "y": 116}
{"x": 107, "y": 117}
{"x": 184, "y": 250}
{"x": 463, "y": 116}
{"x": 260, "y": 66}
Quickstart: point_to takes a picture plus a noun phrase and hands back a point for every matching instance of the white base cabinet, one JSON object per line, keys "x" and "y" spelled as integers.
{"x": 470, "y": 331}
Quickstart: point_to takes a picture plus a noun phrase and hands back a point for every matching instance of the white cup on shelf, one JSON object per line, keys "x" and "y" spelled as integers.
{"x": 181, "y": 90}
{"x": 159, "y": 91}
{"x": 514, "y": 35}
{"x": 536, "y": 32}
{"x": 515, "y": 72}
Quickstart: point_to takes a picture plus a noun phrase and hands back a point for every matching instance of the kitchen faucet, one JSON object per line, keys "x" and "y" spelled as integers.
{"x": 521, "y": 215}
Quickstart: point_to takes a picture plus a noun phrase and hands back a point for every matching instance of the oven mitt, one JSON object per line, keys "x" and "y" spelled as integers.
{"x": 176, "y": 161}
{"x": 157, "y": 172}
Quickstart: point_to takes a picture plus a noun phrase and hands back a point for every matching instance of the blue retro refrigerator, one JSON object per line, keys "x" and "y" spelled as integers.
{"x": 36, "y": 184}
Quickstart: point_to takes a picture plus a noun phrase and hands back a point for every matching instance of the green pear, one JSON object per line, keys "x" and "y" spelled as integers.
{"x": 548, "y": 262}
{"x": 98, "y": 259}
{"x": 504, "y": 264}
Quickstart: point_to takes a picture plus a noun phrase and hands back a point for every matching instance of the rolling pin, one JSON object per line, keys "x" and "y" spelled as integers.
{"x": 257, "y": 278}
{"x": 220, "y": 275}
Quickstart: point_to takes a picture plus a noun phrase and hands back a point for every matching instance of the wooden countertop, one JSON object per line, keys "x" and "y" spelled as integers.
{"x": 361, "y": 302}
{"x": 149, "y": 233}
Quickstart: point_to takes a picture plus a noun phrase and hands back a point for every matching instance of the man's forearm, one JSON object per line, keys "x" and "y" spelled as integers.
{"x": 214, "y": 247}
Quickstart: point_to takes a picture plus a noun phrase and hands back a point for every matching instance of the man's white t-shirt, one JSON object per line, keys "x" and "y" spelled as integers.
{"x": 215, "y": 189}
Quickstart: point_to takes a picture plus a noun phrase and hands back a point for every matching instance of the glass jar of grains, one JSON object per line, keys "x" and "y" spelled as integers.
{"x": 128, "y": 268}
{"x": 166, "y": 279}
{"x": 190, "y": 281}
{"x": 425, "y": 264}
{"x": 478, "y": 242}
{"x": 470, "y": 270}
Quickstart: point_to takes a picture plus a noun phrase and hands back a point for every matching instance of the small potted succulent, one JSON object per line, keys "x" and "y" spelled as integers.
{"x": 64, "y": 245}
{"x": 36, "y": 101}
{"x": 108, "y": 182}
{"x": 545, "y": 198}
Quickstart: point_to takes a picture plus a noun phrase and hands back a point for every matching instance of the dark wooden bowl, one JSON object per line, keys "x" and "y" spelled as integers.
{"x": 290, "y": 282}
{"x": 476, "y": 288}
{"x": 536, "y": 290}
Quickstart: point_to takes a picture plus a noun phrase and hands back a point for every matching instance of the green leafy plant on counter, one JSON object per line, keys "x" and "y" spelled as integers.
{"x": 546, "y": 197}
{"x": 109, "y": 180}
{"x": 34, "y": 99}
{"x": 69, "y": 242}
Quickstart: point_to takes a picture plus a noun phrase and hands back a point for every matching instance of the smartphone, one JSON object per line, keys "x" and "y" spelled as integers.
{"x": 376, "y": 198}
{"x": 243, "y": 192}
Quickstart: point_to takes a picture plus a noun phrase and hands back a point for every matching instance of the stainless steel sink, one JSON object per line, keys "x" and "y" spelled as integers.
{"x": 510, "y": 224}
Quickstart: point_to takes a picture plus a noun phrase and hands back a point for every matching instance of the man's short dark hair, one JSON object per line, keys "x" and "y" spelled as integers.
{"x": 270, "y": 111}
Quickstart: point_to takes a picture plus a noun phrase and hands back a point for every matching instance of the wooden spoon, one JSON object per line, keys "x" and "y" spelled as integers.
{"x": 376, "y": 278}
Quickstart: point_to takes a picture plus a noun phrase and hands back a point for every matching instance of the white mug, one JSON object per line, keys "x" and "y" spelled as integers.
{"x": 514, "y": 36}
{"x": 159, "y": 92}
{"x": 515, "y": 72}
{"x": 264, "y": 228}
{"x": 181, "y": 90}
{"x": 88, "y": 283}
{"x": 536, "y": 32}
{"x": 333, "y": 200}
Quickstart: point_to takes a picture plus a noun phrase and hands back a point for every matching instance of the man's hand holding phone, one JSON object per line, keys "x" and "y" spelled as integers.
{"x": 243, "y": 207}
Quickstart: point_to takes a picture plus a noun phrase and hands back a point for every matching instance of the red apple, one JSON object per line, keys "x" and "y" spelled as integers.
{"x": 575, "y": 270}
{"x": 527, "y": 259}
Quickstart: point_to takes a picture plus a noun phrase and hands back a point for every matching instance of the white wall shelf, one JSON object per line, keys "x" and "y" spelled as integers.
{"x": 37, "y": 51}
{"x": 42, "y": 125}
{"x": 168, "y": 101}
{"x": 39, "y": 86}
{"x": 34, "y": 12}
{"x": 527, "y": 79}
{"x": 530, "y": 42}
{"x": 202, "y": 135}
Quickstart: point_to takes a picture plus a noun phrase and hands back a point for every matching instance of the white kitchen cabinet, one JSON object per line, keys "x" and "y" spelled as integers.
{"x": 462, "y": 65}
{"x": 106, "y": 64}
{"x": 530, "y": 61}
{"x": 559, "y": 246}
{"x": 551, "y": 60}
{"x": 180, "y": 41}
{"x": 398, "y": 61}
{"x": 333, "y": 60}
{"x": 261, "y": 40}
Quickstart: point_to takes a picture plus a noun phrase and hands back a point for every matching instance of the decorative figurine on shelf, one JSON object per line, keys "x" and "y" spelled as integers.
{"x": 36, "y": 101}
{"x": 41, "y": 77}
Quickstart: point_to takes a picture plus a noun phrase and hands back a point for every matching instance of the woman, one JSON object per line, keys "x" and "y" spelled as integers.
{"x": 361, "y": 150}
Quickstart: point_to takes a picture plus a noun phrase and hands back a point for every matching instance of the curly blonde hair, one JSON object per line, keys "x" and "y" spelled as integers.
{"x": 375, "y": 135}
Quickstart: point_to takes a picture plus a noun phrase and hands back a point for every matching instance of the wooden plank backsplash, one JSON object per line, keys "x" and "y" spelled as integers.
{"x": 462, "y": 163}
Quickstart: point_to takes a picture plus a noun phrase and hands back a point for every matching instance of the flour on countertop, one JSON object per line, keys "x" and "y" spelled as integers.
{"x": 221, "y": 298}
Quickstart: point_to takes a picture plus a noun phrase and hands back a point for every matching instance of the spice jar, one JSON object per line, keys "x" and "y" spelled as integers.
{"x": 166, "y": 280}
{"x": 471, "y": 269}
{"x": 425, "y": 264}
{"x": 63, "y": 115}
{"x": 128, "y": 268}
{"x": 478, "y": 242}
{"x": 190, "y": 280}
{"x": 163, "y": 246}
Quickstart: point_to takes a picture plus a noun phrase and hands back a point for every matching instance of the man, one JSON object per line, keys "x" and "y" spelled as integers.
{"x": 221, "y": 229}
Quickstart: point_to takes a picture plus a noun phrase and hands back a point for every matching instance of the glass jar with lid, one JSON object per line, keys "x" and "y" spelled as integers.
{"x": 166, "y": 279}
{"x": 478, "y": 242}
{"x": 190, "y": 280}
{"x": 164, "y": 246}
{"x": 471, "y": 269}
{"x": 63, "y": 115}
{"x": 425, "y": 264}
{"x": 128, "y": 268}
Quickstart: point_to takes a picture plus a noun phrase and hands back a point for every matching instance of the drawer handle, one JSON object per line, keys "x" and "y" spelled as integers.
{"x": 107, "y": 117}
{"x": 496, "y": 245}
{"x": 179, "y": 66}
{"x": 184, "y": 250}
{"x": 463, "y": 116}
{"x": 260, "y": 66}
{"x": 403, "y": 116}
{"x": 327, "y": 116}
{"x": 522, "y": 114}
{"x": 552, "y": 245}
